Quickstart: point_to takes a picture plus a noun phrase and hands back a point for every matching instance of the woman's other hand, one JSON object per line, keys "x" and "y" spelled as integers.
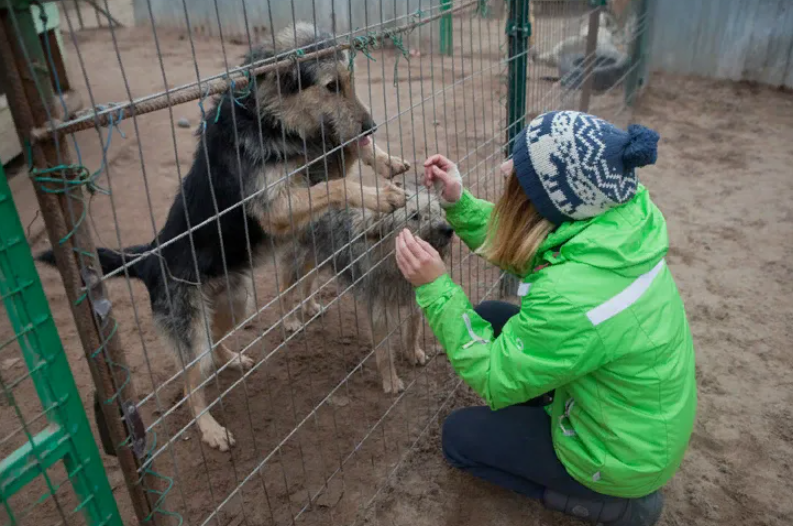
{"x": 417, "y": 260}
{"x": 443, "y": 174}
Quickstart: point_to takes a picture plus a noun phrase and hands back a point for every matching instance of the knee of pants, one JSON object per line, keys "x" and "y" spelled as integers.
{"x": 453, "y": 439}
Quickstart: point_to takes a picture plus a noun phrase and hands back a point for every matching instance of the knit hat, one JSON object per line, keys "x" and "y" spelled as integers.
{"x": 575, "y": 166}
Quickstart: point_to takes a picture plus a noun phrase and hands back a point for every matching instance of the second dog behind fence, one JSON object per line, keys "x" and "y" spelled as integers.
{"x": 358, "y": 246}
{"x": 286, "y": 148}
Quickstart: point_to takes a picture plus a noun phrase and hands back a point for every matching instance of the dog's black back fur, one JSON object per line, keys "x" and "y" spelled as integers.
{"x": 239, "y": 140}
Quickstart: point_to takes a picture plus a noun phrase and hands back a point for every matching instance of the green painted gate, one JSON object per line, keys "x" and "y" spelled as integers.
{"x": 64, "y": 435}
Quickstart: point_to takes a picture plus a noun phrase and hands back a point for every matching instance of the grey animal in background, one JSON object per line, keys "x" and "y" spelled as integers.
{"x": 358, "y": 244}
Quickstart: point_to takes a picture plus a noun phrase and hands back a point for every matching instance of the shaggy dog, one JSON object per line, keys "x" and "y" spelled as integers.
{"x": 358, "y": 246}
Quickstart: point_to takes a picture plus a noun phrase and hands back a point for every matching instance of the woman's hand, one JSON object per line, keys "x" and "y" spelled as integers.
{"x": 417, "y": 260}
{"x": 444, "y": 175}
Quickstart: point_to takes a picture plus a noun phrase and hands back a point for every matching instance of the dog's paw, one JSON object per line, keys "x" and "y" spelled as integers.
{"x": 393, "y": 385}
{"x": 292, "y": 323}
{"x": 216, "y": 436}
{"x": 311, "y": 308}
{"x": 392, "y": 198}
{"x": 241, "y": 363}
{"x": 394, "y": 166}
{"x": 418, "y": 357}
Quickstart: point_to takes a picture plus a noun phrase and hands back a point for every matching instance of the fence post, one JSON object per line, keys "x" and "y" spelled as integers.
{"x": 590, "y": 55}
{"x": 446, "y": 29}
{"x": 62, "y": 207}
{"x": 68, "y": 436}
{"x": 518, "y": 33}
{"x": 635, "y": 79}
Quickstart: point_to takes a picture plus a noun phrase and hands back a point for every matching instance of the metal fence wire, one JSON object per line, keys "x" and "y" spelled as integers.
{"x": 250, "y": 351}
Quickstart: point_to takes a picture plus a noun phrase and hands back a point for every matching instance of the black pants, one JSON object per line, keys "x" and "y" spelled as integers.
{"x": 511, "y": 447}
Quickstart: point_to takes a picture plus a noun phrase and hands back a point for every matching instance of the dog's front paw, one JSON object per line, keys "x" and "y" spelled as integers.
{"x": 244, "y": 363}
{"x": 311, "y": 308}
{"x": 418, "y": 357}
{"x": 394, "y": 166}
{"x": 216, "y": 436}
{"x": 393, "y": 385}
{"x": 392, "y": 198}
{"x": 292, "y": 323}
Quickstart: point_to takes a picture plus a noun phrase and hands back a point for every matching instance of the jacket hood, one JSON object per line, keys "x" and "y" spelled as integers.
{"x": 627, "y": 239}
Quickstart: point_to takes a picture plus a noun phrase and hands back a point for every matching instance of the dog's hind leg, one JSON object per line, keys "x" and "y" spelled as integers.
{"x": 212, "y": 433}
{"x": 383, "y": 355}
{"x": 180, "y": 320}
{"x": 231, "y": 308}
{"x": 311, "y": 307}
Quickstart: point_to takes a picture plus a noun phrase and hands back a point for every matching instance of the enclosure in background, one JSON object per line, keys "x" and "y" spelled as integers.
{"x": 317, "y": 440}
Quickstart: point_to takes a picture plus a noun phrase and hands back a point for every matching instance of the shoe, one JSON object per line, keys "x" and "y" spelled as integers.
{"x": 644, "y": 511}
{"x": 641, "y": 512}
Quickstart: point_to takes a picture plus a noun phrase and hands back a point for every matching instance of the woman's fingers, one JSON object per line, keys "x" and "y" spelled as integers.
{"x": 403, "y": 268}
{"x": 427, "y": 247}
{"x": 407, "y": 254}
{"x": 439, "y": 160}
{"x": 416, "y": 250}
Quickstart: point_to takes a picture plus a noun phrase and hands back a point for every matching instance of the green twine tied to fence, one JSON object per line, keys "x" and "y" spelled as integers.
{"x": 371, "y": 41}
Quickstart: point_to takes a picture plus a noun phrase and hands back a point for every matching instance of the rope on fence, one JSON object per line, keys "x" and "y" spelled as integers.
{"x": 362, "y": 43}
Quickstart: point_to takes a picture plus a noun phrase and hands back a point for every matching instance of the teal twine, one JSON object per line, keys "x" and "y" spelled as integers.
{"x": 482, "y": 9}
{"x": 236, "y": 96}
{"x": 366, "y": 43}
{"x": 161, "y": 494}
{"x": 147, "y": 470}
{"x": 399, "y": 43}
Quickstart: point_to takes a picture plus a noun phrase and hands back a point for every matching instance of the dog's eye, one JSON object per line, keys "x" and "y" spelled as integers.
{"x": 332, "y": 86}
{"x": 415, "y": 216}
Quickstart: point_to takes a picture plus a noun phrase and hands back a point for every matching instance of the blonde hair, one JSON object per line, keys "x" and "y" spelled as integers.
{"x": 515, "y": 231}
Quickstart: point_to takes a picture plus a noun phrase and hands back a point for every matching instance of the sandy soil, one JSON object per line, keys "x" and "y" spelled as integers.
{"x": 723, "y": 180}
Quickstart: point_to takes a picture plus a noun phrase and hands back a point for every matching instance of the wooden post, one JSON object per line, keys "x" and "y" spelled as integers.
{"x": 30, "y": 94}
{"x": 590, "y": 56}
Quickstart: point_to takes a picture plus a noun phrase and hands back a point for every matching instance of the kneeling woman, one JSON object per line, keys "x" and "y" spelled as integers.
{"x": 590, "y": 382}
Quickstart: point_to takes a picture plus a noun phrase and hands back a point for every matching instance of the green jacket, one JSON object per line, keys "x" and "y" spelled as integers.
{"x": 603, "y": 324}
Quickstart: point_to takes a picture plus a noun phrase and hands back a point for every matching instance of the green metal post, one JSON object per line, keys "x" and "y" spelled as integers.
{"x": 639, "y": 63}
{"x": 446, "y": 29}
{"x": 518, "y": 33}
{"x": 68, "y": 438}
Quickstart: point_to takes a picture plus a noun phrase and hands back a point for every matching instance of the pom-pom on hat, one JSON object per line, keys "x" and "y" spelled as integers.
{"x": 575, "y": 166}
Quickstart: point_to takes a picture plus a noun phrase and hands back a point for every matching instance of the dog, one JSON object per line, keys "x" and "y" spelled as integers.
{"x": 252, "y": 149}
{"x": 616, "y": 27}
{"x": 358, "y": 245}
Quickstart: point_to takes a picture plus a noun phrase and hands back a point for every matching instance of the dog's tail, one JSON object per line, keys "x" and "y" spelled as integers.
{"x": 110, "y": 260}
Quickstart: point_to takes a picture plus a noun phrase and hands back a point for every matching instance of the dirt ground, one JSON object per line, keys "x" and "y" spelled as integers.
{"x": 723, "y": 181}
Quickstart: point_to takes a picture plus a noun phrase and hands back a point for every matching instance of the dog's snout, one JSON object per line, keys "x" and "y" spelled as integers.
{"x": 368, "y": 125}
{"x": 446, "y": 230}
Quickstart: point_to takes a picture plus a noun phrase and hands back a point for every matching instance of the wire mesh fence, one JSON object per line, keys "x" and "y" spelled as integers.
{"x": 275, "y": 367}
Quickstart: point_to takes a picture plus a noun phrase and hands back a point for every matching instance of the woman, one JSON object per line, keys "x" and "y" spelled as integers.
{"x": 601, "y": 329}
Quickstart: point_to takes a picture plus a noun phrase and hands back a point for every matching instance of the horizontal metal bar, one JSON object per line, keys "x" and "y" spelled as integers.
{"x": 32, "y": 459}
